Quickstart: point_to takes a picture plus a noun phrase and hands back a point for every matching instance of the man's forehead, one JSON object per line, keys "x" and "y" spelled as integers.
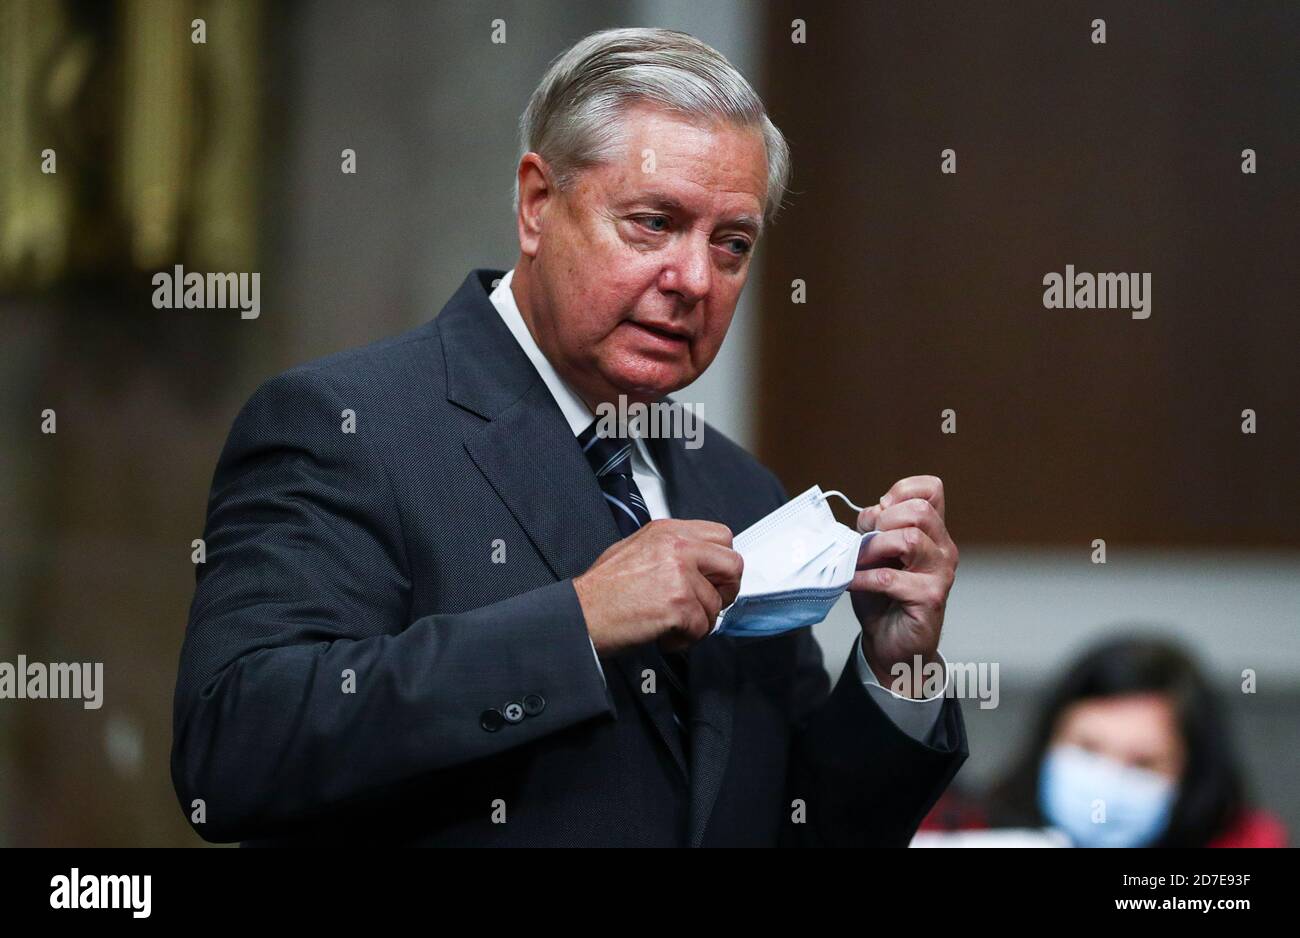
{"x": 677, "y": 165}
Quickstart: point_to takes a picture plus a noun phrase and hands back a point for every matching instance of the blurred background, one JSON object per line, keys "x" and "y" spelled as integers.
{"x": 923, "y": 294}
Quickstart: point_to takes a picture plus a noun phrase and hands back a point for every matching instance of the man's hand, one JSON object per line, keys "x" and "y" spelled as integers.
{"x": 900, "y": 590}
{"x": 666, "y": 582}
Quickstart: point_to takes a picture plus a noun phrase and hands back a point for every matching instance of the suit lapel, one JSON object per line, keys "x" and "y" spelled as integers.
{"x": 533, "y": 463}
{"x": 528, "y": 454}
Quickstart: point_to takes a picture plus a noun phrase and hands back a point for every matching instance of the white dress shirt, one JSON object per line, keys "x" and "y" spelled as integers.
{"x": 916, "y": 718}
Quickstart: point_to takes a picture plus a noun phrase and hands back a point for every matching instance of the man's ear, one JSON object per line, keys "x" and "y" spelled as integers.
{"x": 535, "y": 194}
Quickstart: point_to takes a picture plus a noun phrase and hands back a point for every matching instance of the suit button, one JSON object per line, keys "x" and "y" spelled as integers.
{"x": 534, "y": 704}
{"x": 513, "y": 712}
{"x": 491, "y": 720}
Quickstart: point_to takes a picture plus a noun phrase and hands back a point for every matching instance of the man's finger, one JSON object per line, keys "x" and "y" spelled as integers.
{"x": 913, "y": 513}
{"x": 913, "y": 589}
{"x": 710, "y": 531}
{"x": 700, "y": 622}
{"x": 722, "y": 567}
{"x": 711, "y": 601}
{"x": 916, "y": 549}
{"x": 929, "y": 488}
{"x": 867, "y": 518}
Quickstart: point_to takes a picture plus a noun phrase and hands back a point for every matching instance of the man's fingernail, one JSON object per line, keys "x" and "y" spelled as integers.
{"x": 885, "y": 500}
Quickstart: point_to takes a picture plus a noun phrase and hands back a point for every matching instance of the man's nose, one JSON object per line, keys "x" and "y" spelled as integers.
{"x": 689, "y": 273}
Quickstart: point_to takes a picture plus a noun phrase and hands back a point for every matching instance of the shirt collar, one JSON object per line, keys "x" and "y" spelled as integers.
{"x": 576, "y": 412}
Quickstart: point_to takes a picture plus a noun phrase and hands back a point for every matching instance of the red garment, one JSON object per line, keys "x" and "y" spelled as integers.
{"x": 1254, "y": 829}
{"x": 957, "y": 812}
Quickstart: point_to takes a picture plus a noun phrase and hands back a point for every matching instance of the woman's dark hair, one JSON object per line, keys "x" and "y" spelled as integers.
{"x": 1210, "y": 796}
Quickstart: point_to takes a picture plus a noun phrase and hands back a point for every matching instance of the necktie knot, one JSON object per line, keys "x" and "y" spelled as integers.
{"x": 607, "y": 455}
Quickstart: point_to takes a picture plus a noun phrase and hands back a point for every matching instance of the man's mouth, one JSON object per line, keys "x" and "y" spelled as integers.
{"x": 663, "y": 333}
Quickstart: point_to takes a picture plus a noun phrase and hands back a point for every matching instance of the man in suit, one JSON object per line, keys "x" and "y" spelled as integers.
{"x": 439, "y": 608}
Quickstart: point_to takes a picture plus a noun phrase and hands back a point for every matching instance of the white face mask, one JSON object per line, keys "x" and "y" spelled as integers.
{"x": 798, "y": 561}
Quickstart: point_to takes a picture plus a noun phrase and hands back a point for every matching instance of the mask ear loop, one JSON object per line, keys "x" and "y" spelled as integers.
{"x": 843, "y": 498}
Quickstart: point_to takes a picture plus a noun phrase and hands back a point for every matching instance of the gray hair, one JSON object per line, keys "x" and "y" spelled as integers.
{"x": 573, "y": 119}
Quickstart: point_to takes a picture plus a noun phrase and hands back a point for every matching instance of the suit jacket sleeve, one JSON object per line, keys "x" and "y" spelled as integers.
{"x": 303, "y": 685}
{"x": 862, "y": 780}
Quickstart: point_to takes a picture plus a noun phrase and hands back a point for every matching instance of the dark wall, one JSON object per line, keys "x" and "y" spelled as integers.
{"x": 925, "y": 290}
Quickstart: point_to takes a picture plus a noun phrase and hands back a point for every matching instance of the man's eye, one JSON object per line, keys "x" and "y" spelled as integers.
{"x": 654, "y": 222}
{"x": 739, "y": 246}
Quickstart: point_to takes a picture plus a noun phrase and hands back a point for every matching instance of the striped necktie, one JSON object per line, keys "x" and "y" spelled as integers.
{"x": 611, "y": 459}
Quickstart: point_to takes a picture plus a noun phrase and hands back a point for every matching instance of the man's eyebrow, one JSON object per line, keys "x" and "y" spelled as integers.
{"x": 750, "y": 224}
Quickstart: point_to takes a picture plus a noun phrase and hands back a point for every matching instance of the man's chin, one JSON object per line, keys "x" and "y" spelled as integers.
{"x": 646, "y": 385}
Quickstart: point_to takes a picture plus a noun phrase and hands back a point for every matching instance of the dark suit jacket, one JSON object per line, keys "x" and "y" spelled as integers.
{"x": 350, "y": 629}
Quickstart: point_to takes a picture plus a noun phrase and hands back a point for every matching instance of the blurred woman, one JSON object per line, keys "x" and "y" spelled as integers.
{"x": 1129, "y": 750}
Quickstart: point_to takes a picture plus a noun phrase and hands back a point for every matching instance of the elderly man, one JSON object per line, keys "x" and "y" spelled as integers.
{"x": 439, "y": 608}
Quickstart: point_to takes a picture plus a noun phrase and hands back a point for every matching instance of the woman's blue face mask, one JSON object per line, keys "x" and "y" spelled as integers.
{"x": 1099, "y": 802}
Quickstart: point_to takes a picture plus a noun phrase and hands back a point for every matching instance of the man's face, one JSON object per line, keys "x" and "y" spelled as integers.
{"x": 634, "y": 272}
